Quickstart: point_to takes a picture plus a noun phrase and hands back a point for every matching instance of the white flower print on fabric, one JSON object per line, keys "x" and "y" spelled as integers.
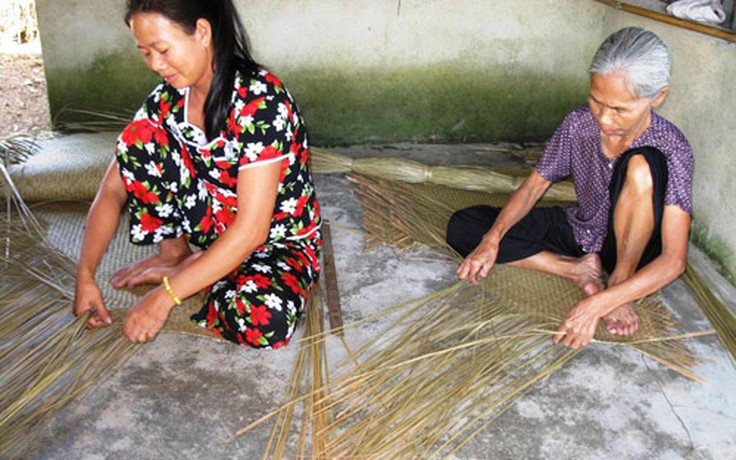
{"x": 153, "y": 169}
{"x": 190, "y": 202}
{"x": 164, "y": 210}
{"x": 261, "y": 268}
{"x": 278, "y": 232}
{"x": 137, "y": 232}
{"x": 253, "y": 149}
{"x": 257, "y": 87}
{"x": 249, "y": 287}
{"x": 273, "y": 301}
{"x": 289, "y": 206}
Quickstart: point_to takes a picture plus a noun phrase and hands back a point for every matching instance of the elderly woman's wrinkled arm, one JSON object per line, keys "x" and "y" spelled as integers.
{"x": 670, "y": 264}
{"x": 479, "y": 263}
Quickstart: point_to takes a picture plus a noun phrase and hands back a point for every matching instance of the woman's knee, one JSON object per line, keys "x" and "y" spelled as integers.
{"x": 639, "y": 175}
{"x": 270, "y": 327}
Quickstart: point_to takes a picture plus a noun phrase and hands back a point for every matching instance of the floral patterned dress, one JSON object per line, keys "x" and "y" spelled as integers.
{"x": 181, "y": 183}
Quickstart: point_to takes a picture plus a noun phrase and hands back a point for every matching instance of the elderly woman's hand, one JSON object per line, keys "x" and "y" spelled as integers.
{"x": 580, "y": 324}
{"x": 479, "y": 263}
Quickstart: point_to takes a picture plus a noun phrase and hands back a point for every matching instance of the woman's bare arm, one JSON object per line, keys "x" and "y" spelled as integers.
{"x": 478, "y": 263}
{"x": 102, "y": 223}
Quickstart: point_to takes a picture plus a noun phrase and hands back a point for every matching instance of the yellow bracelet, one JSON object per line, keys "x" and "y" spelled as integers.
{"x": 171, "y": 292}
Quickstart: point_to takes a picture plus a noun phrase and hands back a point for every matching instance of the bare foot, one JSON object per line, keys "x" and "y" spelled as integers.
{"x": 622, "y": 321}
{"x": 151, "y": 269}
{"x": 589, "y": 274}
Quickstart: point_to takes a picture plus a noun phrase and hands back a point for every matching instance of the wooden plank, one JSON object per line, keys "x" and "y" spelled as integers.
{"x": 329, "y": 272}
{"x": 707, "y": 29}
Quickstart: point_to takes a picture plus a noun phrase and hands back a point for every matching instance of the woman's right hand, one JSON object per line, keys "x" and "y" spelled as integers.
{"x": 479, "y": 263}
{"x": 87, "y": 296}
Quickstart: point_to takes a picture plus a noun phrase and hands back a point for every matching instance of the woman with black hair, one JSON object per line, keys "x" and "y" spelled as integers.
{"x": 217, "y": 157}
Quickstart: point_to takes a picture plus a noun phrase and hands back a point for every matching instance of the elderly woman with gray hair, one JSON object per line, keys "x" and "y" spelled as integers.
{"x": 632, "y": 172}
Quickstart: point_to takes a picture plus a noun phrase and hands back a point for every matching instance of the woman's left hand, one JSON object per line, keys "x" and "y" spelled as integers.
{"x": 579, "y": 326}
{"x": 147, "y": 318}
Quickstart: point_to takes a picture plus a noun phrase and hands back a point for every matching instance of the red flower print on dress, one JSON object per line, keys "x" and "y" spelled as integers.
{"x": 212, "y": 318}
{"x": 164, "y": 107}
{"x": 240, "y": 305}
{"x": 303, "y": 258}
{"x": 253, "y": 336}
{"x": 281, "y": 343}
{"x": 207, "y": 221}
{"x": 140, "y": 130}
{"x": 300, "y": 203}
{"x": 284, "y": 171}
{"x": 293, "y": 263}
{"x": 224, "y": 217}
{"x": 252, "y": 107}
{"x": 269, "y": 153}
{"x": 261, "y": 281}
{"x": 305, "y": 230}
{"x": 161, "y": 138}
{"x": 233, "y": 126}
{"x": 150, "y": 223}
{"x": 225, "y": 177}
{"x": 230, "y": 201}
{"x": 259, "y": 316}
{"x": 291, "y": 281}
{"x": 186, "y": 158}
{"x": 271, "y": 78}
{"x": 141, "y": 192}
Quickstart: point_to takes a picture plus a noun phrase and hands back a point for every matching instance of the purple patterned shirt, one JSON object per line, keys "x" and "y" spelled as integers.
{"x": 575, "y": 151}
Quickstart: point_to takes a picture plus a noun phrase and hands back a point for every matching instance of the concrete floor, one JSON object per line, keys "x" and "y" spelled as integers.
{"x": 183, "y": 397}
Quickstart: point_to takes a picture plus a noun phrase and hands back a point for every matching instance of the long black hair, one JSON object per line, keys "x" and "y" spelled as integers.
{"x": 230, "y": 40}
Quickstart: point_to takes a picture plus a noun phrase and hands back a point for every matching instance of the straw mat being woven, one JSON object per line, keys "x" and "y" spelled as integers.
{"x": 402, "y": 214}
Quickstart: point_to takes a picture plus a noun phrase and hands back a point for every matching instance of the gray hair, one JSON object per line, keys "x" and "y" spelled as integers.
{"x": 641, "y": 55}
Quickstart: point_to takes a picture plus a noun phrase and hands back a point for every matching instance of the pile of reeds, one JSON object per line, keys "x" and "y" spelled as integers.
{"x": 46, "y": 356}
{"x": 451, "y": 365}
{"x": 403, "y": 214}
{"x": 308, "y": 386}
{"x": 460, "y": 357}
{"x": 720, "y": 316}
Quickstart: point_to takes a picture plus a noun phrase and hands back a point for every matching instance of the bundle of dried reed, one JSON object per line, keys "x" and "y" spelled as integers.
{"x": 413, "y": 172}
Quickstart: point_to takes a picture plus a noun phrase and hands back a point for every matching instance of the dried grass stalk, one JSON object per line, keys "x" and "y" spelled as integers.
{"x": 720, "y": 316}
{"x": 414, "y": 172}
{"x": 46, "y": 356}
{"x": 308, "y": 385}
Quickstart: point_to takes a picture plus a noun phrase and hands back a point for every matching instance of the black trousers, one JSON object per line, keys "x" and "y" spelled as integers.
{"x": 547, "y": 228}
